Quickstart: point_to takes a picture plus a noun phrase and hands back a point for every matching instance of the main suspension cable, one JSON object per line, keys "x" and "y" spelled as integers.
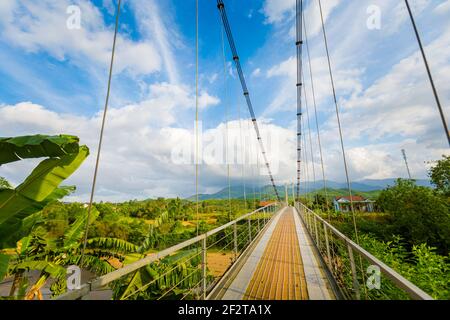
{"x": 427, "y": 66}
{"x": 97, "y": 162}
{"x": 221, "y": 7}
{"x": 299, "y": 48}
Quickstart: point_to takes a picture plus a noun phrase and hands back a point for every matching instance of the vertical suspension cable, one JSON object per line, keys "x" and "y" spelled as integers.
{"x": 310, "y": 136}
{"x": 105, "y": 111}
{"x": 316, "y": 116}
{"x": 252, "y": 167}
{"x": 341, "y": 139}
{"x": 299, "y": 48}
{"x": 259, "y": 176}
{"x": 427, "y": 66}
{"x": 227, "y": 119}
{"x": 307, "y": 124}
{"x": 306, "y": 164}
{"x": 243, "y": 153}
{"x": 196, "y": 113}
{"x": 338, "y": 121}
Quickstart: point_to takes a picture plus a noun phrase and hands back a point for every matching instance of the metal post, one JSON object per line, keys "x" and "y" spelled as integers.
{"x": 249, "y": 230}
{"x": 235, "y": 241}
{"x": 327, "y": 244}
{"x": 354, "y": 274}
{"x": 259, "y": 226}
{"x": 310, "y": 222}
{"x": 316, "y": 232}
{"x": 204, "y": 265}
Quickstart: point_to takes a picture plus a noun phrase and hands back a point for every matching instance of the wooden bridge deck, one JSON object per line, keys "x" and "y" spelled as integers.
{"x": 280, "y": 273}
{"x": 282, "y": 266}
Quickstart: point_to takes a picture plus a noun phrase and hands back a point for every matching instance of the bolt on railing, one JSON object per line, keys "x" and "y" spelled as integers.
{"x": 339, "y": 253}
{"x": 184, "y": 270}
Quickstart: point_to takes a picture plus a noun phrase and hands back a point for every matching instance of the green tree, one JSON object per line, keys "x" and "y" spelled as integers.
{"x": 440, "y": 176}
{"x": 418, "y": 214}
{"x": 4, "y": 184}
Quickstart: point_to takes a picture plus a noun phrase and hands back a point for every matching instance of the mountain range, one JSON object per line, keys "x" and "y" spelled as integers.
{"x": 362, "y": 186}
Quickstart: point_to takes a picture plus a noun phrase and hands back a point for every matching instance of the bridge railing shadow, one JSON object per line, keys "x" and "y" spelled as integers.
{"x": 358, "y": 274}
{"x": 189, "y": 270}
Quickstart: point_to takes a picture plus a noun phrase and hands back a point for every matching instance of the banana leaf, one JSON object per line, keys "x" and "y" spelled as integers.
{"x": 40, "y": 184}
{"x": 112, "y": 244}
{"x": 20, "y": 224}
{"x": 38, "y": 146}
{"x": 76, "y": 231}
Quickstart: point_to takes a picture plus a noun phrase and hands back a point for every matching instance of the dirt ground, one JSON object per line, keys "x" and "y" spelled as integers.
{"x": 219, "y": 262}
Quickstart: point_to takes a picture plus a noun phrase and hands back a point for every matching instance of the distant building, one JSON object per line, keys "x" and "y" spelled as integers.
{"x": 342, "y": 204}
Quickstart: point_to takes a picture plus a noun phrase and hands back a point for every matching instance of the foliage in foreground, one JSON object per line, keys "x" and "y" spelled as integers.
{"x": 422, "y": 265}
{"x": 18, "y": 206}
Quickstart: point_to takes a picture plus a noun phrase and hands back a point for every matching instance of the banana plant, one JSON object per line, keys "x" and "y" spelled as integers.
{"x": 50, "y": 257}
{"x": 63, "y": 156}
{"x": 170, "y": 276}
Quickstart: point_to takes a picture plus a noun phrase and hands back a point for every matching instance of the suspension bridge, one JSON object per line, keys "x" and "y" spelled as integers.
{"x": 278, "y": 252}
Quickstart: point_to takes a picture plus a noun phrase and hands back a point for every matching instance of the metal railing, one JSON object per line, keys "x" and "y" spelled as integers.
{"x": 355, "y": 270}
{"x": 188, "y": 270}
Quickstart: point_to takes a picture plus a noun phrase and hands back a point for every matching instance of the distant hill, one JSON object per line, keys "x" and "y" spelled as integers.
{"x": 367, "y": 188}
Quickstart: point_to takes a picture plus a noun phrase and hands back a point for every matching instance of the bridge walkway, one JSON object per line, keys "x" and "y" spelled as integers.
{"x": 283, "y": 265}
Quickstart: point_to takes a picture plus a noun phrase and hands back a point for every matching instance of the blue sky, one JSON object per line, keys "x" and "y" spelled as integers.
{"x": 53, "y": 80}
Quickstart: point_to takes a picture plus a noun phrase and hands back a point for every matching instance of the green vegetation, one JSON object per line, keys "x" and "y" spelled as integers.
{"x": 47, "y": 236}
{"x": 410, "y": 232}
{"x": 333, "y": 193}
{"x": 440, "y": 176}
{"x": 18, "y": 207}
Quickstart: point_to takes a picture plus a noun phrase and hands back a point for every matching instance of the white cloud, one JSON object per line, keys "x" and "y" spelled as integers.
{"x": 212, "y": 78}
{"x": 383, "y": 109}
{"x": 282, "y": 12}
{"x": 285, "y": 68}
{"x": 138, "y": 141}
{"x": 256, "y": 72}
{"x": 443, "y": 8}
{"x": 312, "y": 15}
{"x": 109, "y": 6}
{"x": 37, "y": 27}
{"x": 153, "y": 25}
{"x": 276, "y": 10}
{"x": 205, "y": 100}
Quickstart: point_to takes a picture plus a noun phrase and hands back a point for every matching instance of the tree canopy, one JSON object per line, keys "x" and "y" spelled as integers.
{"x": 440, "y": 176}
{"x": 418, "y": 214}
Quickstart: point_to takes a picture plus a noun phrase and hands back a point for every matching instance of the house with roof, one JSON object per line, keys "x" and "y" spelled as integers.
{"x": 343, "y": 204}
